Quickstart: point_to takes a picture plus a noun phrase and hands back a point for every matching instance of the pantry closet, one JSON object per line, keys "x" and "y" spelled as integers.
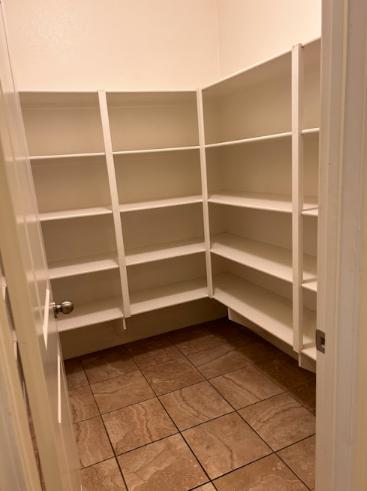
{"x": 150, "y": 200}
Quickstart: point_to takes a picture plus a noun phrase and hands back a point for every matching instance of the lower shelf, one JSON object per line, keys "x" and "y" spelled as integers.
{"x": 168, "y": 295}
{"x": 262, "y": 307}
{"x": 92, "y": 313}
{"x": 64, "y": 269}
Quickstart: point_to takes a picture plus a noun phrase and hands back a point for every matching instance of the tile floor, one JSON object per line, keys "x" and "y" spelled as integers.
{"x": 210, "y": 407}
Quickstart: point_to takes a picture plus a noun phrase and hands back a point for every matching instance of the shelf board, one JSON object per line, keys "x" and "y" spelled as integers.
{"x": 257, "y": 201}
{"x": 156, "y": 150}
{"x": 77, "y": 213}
{"x": 310, "y": 352}
{"x": 66, "y": 156}
{"x": 160, "y": 203}
{"x": 262, "y": 307}
{"x": 310, "y": 206}
{"x": 164, "y": 251}
{"x": 167, "y": 296}
{"x": 268, "y": 258}
{"x": 310, "y": 131}
{"x": 310, "y": 285}
{"x": 92, "y": 313}
{"x": 274, "y": 136}
{"x": 65, "y": 269}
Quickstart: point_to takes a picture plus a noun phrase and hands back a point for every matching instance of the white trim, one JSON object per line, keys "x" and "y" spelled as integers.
{"x": 341, "y": 393}
{"x": 297, "y": 196}
{"x": 114, "y": 201}
{"x": 204, "y": 187}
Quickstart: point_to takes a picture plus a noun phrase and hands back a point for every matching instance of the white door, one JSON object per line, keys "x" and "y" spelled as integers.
{"x": 25, "y": 268}
{"x": 341, "y": 451}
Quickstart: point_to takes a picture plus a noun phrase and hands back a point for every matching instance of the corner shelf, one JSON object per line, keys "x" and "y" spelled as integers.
{"x": 168, "y": 295}
{"x": 256, "y": 201}
{"x": 274, "y": 136}
{"x": 160, "y": 203}
{"x": 262, "y": 307}
{"x": 164, "y": 251}
{"x": 93, "y": 313}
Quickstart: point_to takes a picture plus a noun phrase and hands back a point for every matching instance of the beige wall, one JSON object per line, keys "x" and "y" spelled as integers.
{"x": 113, "y": 44}
{"x": 148, "y": 44}
{"x": 253, "y": 30}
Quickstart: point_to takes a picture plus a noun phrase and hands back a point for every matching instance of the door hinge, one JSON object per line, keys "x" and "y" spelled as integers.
{"x": 320, "y": 341}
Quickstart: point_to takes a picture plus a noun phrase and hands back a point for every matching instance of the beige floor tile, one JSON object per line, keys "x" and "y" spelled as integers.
{"x": 285, "y": 371}
{"x": 195, "y": 404}
{"x": 92, "y": 441}
{"x": 75, "y": 374}
{"x": 224, "y": 444}
{"x": 165, "y": 465}
{"x": 105, "y": 476}
{"x": 267, "y": 474}
{"x": 280, "y": 421}
{"x": 206, "y": 487}
{"x": 245, "y": 386}
{"x": 300, "y": 457}
{"x": 306, "y": 395}
{"x": 107, "y": 364}
{"x": 83, "y": 405}
{"x": 171, "y": 375}
{"x": 121, "y": 391}
{"x": 137, "y": 425}
{"x": 218, "y": 360}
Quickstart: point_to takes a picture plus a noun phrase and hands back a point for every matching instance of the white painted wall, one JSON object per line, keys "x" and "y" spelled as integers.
{"x": 253, "y": 30}
{"x": 113, "y": 44}
{"x": 149, "y": 44}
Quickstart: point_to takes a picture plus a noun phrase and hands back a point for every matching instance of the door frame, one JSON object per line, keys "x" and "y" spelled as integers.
{"x": 341, "y": 447}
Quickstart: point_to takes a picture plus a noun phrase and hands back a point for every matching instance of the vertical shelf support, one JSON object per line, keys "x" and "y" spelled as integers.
{"x": 114, "y": 201}
{"x": 204, "y": 190}
{"x": 297, "y": 196}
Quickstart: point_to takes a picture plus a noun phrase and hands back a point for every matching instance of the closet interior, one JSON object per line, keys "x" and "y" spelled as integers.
{"x": 153, "y": 199}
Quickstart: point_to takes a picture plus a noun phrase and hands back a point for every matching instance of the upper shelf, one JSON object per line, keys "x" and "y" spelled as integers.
{"x": 156, "y": 150}
{"x": 36, "y": 158}
{"x": 250, "y": 140}
{"x": 161, "y": 203}
{"x": 152, "y": 120}
{"x": 65, "y": 269}
{"x": 78, "y": 213}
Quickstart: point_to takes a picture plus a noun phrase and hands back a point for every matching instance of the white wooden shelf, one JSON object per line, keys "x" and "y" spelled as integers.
{"x": 77, "y": 213}
{"x": 270, "y": 259}
{"x": 310, "y": 285}
{"x": 156, "y": 150}
{"x": 274, "y": 136}
{"x": 262, "y": 307}
{"x": 310, "y": 131}
{"x": 168, "y": 295}
{"x": 257, "y": 201}
{"x": 160, "y": 203}
{"x": 65, "y": 269}
{"x": 93, "y": 313}
{"x": 164, "y": 251}
{"x": 67, "y": 156}
{"x": 310, "y": 212}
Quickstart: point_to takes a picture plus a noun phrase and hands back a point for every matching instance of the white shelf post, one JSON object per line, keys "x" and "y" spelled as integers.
{"x": 114, "y": 201}
{"x": 297, "y": 196}
{"x": 204, "y": 187}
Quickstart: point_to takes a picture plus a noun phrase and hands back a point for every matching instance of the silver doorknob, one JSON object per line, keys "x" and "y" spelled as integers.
{"x": 64, "y": 307}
